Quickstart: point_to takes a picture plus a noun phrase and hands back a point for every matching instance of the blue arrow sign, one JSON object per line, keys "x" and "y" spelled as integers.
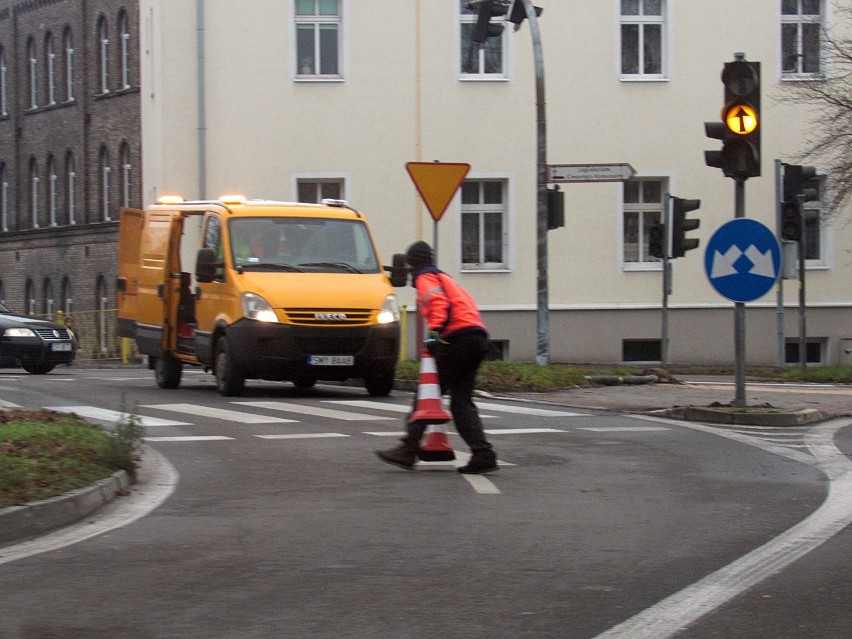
{"x": 743, "y": 260}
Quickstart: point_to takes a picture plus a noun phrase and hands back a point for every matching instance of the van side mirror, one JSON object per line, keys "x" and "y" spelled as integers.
{"x": 399, "y": 270}
{"x": 206, "y": 264}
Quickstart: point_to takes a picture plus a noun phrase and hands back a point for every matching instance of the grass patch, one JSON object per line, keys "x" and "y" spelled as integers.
{"x": 45, "y": 453}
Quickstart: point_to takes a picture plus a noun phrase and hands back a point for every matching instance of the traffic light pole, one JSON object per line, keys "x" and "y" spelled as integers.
{"x": 739, "y": 313}
{"x": 543, "y": 320}
{"x": 803, "y": 323}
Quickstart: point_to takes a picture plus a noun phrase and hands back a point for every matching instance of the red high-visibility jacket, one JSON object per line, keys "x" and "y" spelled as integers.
{"x": 445, "y": 306}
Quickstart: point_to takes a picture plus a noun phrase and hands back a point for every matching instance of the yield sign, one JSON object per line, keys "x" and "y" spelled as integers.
{"x": 437, "y": 183}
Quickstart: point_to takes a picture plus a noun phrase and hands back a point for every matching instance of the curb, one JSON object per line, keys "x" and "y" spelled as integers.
{"x": 19, "y": 522}
{"x": 780, "y": 418}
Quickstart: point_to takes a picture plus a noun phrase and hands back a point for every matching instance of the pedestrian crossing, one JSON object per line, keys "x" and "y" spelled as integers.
{"x": 285, "y": 413}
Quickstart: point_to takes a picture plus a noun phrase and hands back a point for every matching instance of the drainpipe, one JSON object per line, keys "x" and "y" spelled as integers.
{"x": 202, "y": 106}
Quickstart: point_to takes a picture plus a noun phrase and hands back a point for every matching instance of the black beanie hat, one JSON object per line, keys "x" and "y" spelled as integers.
{"x": 419, "y": 254}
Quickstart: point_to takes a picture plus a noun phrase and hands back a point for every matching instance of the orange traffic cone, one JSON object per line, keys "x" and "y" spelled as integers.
{"x": 428, "y": 410}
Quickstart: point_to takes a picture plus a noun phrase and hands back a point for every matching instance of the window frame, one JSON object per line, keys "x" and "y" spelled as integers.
{"x": 800, "y": 19}
{"x": 32, "y": 60}
{"x": 50, "y": 70}
{"x": 316, "y": 20}
{"x": 642, "y": 208}
{"x": 642, "y": 20}
{"x": 104, "y": 164}
{"x": 319, "y": 179}
{"x": 34, "y": 192}
{"x": 103, "y": 54}
{"x": 4, "y": 79}
{"x": 124, "y": 35}
{"x": 480, "y": 209}
{"x": 52, "y": 192}
{"x": 4, "y": 198}
{"x": 818, "y": 216}
{"x": 71, "y": 187}
{"x": 68, "y": 46}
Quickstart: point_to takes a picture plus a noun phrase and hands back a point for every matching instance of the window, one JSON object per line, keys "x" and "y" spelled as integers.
{"x": 33, "y": 66}
{"x": 801, "y": 37}
{"x": 815, "y": 228}
{"x": 126, "y": 173}
{"x": 316, "y": 190}
{"x": 103, "y": 55}
{"x": 642, "y": 38}
{"x": 318, "y": 26}
{"x": 105, "y": 171}
{"x": 47, "y": 297}
{"x": 643, "y": 207}
{"x": 69, "y": 65}
{"x": 50, "y": 57}
{"x": 34, "y": 192}
{"x": 66, "y": 295}
{"x": 4, "y": 103}
{"x": 71, "y": 188}
{"x": 29, "y": 298}
{"x": 483, "y": 224}
{"x": 476, "y": 60}
{"x": 52, "y": 182}
{"x": 124, "y": 31}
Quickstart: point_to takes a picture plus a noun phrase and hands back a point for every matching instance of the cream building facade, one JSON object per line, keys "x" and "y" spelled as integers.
{"x": 302, "y": 99}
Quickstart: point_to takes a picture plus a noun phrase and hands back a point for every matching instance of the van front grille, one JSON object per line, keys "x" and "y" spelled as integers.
{"x": 328, "y": 316}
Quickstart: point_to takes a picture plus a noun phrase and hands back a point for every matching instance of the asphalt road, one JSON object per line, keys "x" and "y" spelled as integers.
{"x": 270, "y": 516}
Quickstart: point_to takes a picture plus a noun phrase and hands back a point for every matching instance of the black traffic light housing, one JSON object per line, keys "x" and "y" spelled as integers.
{"x": 739, "y": 129}
{"x": 555, "y": 209}
{"x": 518, "y": 13}
{"x": 801, "y": 184}
{"x": 657, "y": 240}
{"x": 680, "y": 225}
{"x": 487, "y": 9}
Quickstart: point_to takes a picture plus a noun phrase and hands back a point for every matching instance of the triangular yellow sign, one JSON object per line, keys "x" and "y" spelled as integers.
{"x": 437, "y": 183}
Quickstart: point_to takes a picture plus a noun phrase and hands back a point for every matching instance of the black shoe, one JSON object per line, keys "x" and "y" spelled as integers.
{"x": 482, "y": 461}
{"x": 401, "y": 456}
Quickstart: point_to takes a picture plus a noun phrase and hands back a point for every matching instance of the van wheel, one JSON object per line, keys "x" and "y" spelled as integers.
{"x": 167, "y": 371}
{"x": 379, "y": 385}
{"x": 304, "y": 383}
{"x": 228, "y": 381}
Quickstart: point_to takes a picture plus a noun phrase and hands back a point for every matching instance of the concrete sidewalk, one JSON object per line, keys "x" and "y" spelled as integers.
{"x": 708, "y": 398}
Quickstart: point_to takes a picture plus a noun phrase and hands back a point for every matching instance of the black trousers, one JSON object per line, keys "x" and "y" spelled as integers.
{"x": 457, "y": 364}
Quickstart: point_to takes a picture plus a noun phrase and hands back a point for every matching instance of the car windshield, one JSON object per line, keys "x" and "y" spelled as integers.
{"x": 287, "y": 244}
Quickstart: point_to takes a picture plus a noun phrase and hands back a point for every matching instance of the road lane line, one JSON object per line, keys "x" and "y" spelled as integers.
{"x": 316, "y": 411}
{"x": 302, "y": 436}
{"x": 190, "y": 438}
{"x": 672, "y": 615}
{"x": 114, "y": 416}
{"x": 219, "y": 413}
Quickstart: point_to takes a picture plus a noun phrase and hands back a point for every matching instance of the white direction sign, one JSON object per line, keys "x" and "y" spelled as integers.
{"x": 589, "y": 172}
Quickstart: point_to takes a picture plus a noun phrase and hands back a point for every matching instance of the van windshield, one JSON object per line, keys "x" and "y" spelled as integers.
{"x": 302, "y": 244}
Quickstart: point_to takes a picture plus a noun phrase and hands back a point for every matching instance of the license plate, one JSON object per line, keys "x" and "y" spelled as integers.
{"x": 331, "y": 360}
{"x": 60, "y": 347}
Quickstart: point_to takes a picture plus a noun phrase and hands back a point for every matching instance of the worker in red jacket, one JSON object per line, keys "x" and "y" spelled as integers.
{"x": 459, "y": 341}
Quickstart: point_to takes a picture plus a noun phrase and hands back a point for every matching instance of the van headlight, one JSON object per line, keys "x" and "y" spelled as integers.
{"x": 257, "y": 308}
{"x": 390, "y": 310}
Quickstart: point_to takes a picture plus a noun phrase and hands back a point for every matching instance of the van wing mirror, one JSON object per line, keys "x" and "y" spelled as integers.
{"x": 399, "y": 270}
{"x": 206, "y": 264}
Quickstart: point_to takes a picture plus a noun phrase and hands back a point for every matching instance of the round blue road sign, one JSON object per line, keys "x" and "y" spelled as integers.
{"x": 743, "y": 260}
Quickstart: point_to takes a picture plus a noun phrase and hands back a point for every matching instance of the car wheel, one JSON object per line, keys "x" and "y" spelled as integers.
{"x": 304, "y": 383}
{"x": 229, "y": 382}
{"x": 380, "y": 384}
{"x": 41, "y": 368}
{"x": 167, "y": 371}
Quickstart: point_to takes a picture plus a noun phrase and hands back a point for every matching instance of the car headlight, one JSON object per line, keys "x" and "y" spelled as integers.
{"x": 18, "y": 332}
{"x": 390, "y": 310}
{"x": 257, "y": 308}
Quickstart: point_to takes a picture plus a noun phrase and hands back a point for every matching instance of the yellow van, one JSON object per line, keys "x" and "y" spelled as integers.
{"x": 256, "y": 289}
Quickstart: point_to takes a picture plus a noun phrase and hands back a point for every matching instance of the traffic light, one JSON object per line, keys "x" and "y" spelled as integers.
{"x": 801, "y": 184}
{"x": 555, "y": 209}
{"x": 739, "y": 129}
{"x": 518, "y": 13}
{"x": 680, "y": 225}
{"x": 657, "y": 240}
{"x": 484, "y": 29}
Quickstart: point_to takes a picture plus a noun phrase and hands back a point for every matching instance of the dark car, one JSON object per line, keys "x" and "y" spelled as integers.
{"x": 36, "y": 344}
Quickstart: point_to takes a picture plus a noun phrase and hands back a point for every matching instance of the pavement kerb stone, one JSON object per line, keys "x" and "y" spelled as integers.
{"x": 20, "y": 522}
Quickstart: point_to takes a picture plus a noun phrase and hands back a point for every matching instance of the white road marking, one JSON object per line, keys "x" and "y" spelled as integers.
{"x": 317, "y": 411}
{"x": 394, "y": 408}
{"x": 190, "y": 438}
{"x": 5, "y": 404}
{"x": 522, "y": 431}
{"x": 219, "y": 413}
{"x": 672, "y": 615}
{"x": 622, "y": 429}
{"x": 302, "y": 436}
{"x": 525, "y": 410}
{"x": 114, "y": 416}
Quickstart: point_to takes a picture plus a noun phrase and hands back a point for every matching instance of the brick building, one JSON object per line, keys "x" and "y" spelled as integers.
{"x": 70, "y": 156}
